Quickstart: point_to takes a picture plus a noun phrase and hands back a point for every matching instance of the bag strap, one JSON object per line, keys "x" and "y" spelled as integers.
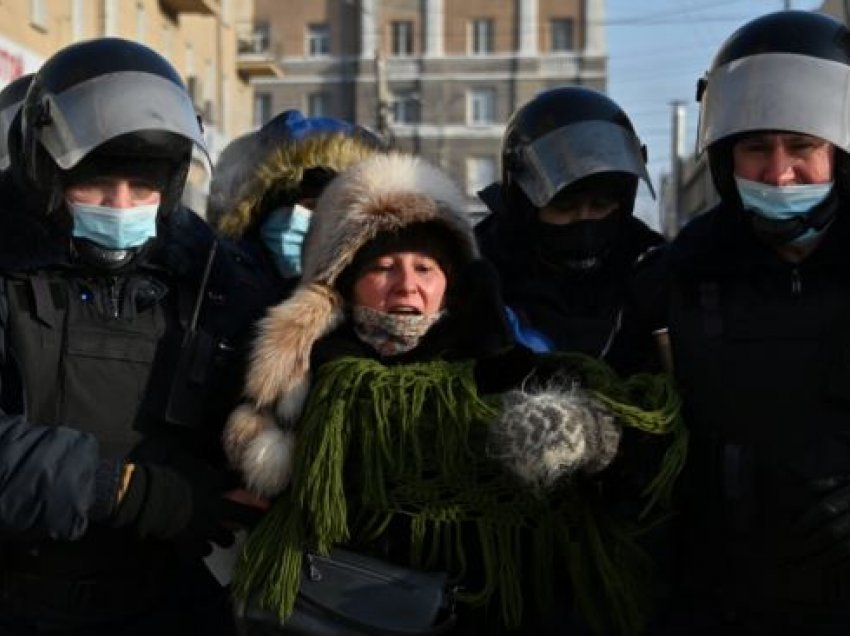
{"x": 436, "y": 630}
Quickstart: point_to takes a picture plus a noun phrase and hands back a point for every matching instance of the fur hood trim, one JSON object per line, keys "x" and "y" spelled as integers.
{"x": 383, "y": 193}
{"x": 281, "y": 172}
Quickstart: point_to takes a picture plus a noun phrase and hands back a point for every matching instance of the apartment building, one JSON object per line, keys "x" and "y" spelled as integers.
{"x": 200, "y": 37}
{"x": 440, "y": 76}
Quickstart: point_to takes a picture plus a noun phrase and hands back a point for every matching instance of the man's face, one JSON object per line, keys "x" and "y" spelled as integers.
{"x": 115, "y": 192}
{"x": 578, "y": 206}
{"x": 783, "y": 159}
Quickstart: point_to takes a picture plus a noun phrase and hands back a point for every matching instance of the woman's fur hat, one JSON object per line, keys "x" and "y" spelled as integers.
{"x": 385, "y": 193}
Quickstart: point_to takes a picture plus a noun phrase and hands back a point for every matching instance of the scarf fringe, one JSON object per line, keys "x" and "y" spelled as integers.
{"x": 416, "y": 434}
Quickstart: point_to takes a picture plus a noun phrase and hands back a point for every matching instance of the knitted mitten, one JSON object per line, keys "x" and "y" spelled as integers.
{"x": 546, "y": 434}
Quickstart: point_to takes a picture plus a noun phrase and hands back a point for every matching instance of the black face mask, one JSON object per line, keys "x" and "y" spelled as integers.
{"x": 577, "y": 246}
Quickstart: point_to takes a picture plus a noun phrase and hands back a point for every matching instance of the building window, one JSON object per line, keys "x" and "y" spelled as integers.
{"x": 262, "y": 108}
{"x": 318, "y": 40}
{"x": 406, "y": 109}
{"x": 402, "y": 38}
{"x": 481, "y": 36}
{"x": 480, "y": 172}
{"x": 482, "y": 106}
{"x": 259, "y": 40}
{"x": 562, "y": 34}
{"x": 38, "y": 13}
{"x": 318, "y": 104}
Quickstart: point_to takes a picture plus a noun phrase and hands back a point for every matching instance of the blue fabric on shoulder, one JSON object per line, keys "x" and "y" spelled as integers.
{"x": 528, "y": 335}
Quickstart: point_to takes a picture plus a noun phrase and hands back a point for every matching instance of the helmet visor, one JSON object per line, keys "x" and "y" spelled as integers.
{"x": 565, "y": 155}
{"x": 777, "y": 91}
{"x": 108, "y": 106}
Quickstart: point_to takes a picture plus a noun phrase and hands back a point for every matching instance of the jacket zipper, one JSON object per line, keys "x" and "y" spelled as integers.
{"x": 796, "y": 282}
{"x": 114, "y": 297}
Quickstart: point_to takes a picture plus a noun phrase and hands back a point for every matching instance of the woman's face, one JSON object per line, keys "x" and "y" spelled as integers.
{"x": 401, "y": 283}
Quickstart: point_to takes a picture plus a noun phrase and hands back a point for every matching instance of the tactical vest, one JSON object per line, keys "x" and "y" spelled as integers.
{"x": 107, "y": 358}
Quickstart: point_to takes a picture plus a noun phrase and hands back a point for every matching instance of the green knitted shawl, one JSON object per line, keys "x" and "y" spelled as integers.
{"x": 416, "y": 435}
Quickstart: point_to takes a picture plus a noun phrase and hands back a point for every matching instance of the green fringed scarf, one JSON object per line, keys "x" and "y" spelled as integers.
{"x": 416, "y": 435}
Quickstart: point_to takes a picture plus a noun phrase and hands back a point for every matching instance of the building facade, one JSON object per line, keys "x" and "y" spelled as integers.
{"x": 440, "y": 77}
{"x": 199, "y": 37}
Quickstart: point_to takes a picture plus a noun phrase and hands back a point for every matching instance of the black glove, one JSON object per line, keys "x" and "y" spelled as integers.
{"x": 823, "y": 532}
{"x": 161, "y": 504}
{"x": 479, "y": 312}
{"x": 505, "y": 370}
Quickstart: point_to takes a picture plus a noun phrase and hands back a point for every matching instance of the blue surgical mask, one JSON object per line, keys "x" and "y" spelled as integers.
{"x": 283, "y": 234}
{"x": 114, "y": 228}
{"x": 781, "y": 203}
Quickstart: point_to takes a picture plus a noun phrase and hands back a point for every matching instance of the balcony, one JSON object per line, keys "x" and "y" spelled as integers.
{"x": 257, "y": 53}
{"x": 204, "y": 7}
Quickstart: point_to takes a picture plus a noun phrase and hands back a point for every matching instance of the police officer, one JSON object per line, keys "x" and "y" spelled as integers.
{"x": 561, "y": 234}
{"x": 757, "y": 306}
{"x": 115, "y": 342}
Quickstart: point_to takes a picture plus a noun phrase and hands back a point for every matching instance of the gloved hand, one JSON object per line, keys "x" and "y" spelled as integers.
{"x": 824, "y": 530}
{"x": 160, "y": 503}
{"x": 545, "y": 435}
{"x": 478, "y": 310}
{"x": 505, "y": 370}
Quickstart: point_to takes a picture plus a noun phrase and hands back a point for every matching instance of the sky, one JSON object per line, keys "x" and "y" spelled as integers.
{"x": 657, "y": 50}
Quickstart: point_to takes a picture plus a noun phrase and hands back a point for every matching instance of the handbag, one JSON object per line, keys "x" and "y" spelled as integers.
{"x": 351, "y": 594}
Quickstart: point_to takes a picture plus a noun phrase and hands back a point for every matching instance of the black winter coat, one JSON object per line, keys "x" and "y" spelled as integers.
{"x": 761, "y": 351}
{"x": 578, "y": 311}
{"x": 59, "y": 478}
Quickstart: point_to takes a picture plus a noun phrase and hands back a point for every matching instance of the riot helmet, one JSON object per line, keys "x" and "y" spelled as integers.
{"x": 108, "y": 107}
{"x": 787, "y": 72}
{"x": 566, "y": 142}
{"x": 566, "y": 134}
{"x": 11, "y": 99}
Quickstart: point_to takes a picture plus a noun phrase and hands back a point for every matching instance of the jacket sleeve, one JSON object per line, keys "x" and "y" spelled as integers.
{"x": 52, "y": 482}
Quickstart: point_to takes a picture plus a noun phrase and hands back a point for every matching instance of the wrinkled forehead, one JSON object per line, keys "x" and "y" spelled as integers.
{"x": 781, "y": 137}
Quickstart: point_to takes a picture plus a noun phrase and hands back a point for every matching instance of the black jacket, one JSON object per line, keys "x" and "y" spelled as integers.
{"x": 578, "y": 311}
{"x": 761, "y": 355}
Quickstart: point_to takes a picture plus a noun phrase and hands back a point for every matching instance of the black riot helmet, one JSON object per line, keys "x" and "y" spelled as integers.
{"x": 107, "y": 107}
{"x": 108, "y": 101}
{"x": 11, "y": 99}
{"x": 787, "y": 71}
{"x": 563, "y": 135}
